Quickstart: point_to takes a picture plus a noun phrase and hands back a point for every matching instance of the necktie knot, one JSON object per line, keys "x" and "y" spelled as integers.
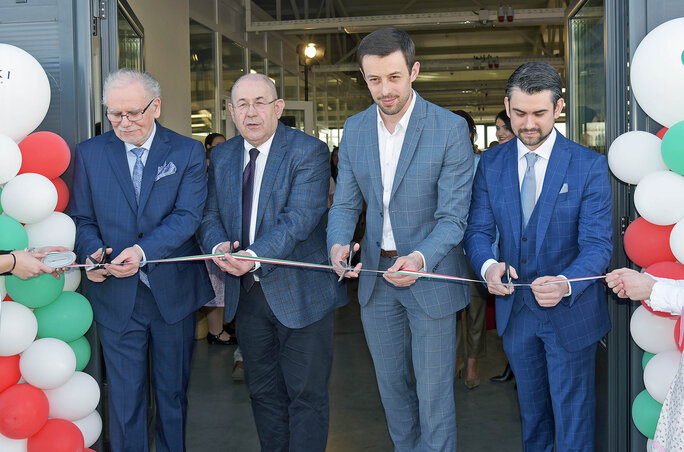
{"x": 253, "y": 154}
{"x": 531, "y": 158}
{"x": 138, "y": 152}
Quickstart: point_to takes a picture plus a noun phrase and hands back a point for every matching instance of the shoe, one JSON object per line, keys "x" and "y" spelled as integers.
{"x": 216, "y": 339}
{"x": 459, "y": 369}
{"x": 228, "y": 328}
{"x": 472, "y": 384}
{"x": 507, "y": 375}
{"x": 238, "y": 371}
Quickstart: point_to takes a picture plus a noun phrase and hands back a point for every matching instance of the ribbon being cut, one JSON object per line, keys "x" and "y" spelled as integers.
{"x": 272, "y": 261}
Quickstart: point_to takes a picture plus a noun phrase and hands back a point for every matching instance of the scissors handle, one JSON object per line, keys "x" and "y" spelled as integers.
{"x": 352, "y": 244}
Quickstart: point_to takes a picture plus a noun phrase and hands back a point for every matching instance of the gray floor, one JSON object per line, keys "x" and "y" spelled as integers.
{"x": 220, "y": 417}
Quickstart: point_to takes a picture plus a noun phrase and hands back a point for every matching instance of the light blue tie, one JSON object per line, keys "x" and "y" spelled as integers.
{"x": 528, "y": 190}
{"x": 137, "y": 171}
{"x": 137, "y": 183}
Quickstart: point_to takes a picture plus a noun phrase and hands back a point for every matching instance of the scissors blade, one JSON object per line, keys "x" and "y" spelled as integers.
{"x": 349, "y": 261}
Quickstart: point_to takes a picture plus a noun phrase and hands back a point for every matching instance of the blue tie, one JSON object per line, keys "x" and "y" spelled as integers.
{"x": 137, "y": 183}
{"x": 247, "y": 194}
{"x": 137, "y": 171}
{"x": 528, "y": 190}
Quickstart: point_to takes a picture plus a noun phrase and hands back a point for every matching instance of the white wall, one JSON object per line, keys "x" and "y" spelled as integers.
{"x": 167, "y": 56}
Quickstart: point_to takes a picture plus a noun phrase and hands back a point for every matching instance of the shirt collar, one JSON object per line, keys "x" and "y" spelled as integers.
{"x": 264, "y": 148}
{"x": 542, "y": 151}
{"x": 147, "y": 144}
{"x": 403, "y": 122}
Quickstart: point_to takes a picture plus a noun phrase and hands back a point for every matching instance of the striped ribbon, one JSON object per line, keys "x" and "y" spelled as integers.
{"x": 269, "y": 260}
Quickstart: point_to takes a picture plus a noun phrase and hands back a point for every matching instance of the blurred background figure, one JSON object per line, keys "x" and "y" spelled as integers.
{"x": 471, "y": 328}
{"x": 334, "y": 159}
{"x": 503, "y": 127}
{"x": 211, "y": 141}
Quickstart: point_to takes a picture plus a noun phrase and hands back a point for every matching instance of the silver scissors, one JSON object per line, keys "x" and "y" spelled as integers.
{"x": 349, "y": 261}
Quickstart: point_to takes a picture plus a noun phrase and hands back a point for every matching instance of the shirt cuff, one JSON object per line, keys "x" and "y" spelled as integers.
{"x": 661, "y": 298}
{"x": 256, "y": 264}
{"x": 569, "y": 286}
{"x": 424, "y": 263}
{"x": 143, "y": 262}
{"x": 483, "y": 271}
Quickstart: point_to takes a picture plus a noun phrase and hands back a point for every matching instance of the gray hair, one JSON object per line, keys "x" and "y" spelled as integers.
{"x": 536, "y": 76}
{"x": 255, "y": 77}
{"x": 124, "y": 77}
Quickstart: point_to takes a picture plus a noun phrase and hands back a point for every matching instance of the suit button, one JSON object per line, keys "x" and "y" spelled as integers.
{"x": 524, "y": 261}
{"x": 524, "y": 239}
{"x": 140, "y": 235}
{"x": 381, "y": 213}
{"x": 377, "y": 243}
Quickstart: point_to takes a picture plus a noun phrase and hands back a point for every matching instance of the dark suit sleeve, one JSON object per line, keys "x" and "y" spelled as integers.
{"x": 182, "y": 222}
{"x": 594, "y": 231}
{"x": 88, "y": 236}
{"x": 307, "y": 201}
{"x": 481, "y": 230}
{"x": 211, "y": 231}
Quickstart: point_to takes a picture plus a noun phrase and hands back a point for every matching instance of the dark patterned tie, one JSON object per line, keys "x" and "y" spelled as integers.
{"x": 247, "y": 194}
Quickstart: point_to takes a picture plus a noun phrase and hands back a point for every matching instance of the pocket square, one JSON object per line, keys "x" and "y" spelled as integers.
{"x": 167, "y": 169}
{"x": 564, "y": 189}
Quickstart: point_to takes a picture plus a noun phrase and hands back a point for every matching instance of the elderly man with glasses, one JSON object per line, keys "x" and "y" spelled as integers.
{"x": 138, "y": 194}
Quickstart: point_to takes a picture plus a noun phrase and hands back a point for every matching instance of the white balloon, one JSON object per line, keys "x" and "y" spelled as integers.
{"x": 72, "y": 279}
{"x": 656, "y": 72}
{"x": 48, "y": 363}
{"x": 3, "y": 290}
{"x": 24, "y": 93}
{"x": 634, "y": 155}
{"x": 660, "y": 372}
{"x": 10, "y": 157}
{"x": 75, "y": 399}
{"x": 13, "y": 445}
{"x": 659, "y": 198}
{"x": 18, "y": 328}
{"x": 29, "y": 198}
{"x": 91, "y": 428}
{"x": 652, "y": 333}
{"x": 676, "y": 241}
{"x": 57, "y": 229}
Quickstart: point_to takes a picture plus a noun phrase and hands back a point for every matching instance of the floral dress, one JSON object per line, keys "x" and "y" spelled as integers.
{"x": 669, "y": 435}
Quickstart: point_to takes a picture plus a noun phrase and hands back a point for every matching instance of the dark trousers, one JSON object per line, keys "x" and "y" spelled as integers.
{"x": 287, "y": 372}
{"x": 126, "y": 359}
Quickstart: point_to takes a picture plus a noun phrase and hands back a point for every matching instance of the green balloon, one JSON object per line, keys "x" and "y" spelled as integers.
{"x": 672, "y": 148}
{"x": 646, "y": 358}
{"x": 34, "y": 292}
{"x": 67, "y": 318}
{"x": 645, "y": 413}
{"x": 13, "y": 236}
{"x": 1, "y": 202}
{"x": 81, "y": 348}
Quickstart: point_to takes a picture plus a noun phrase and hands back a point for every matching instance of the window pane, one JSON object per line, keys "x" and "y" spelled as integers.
{"x": 202, "y": 80}
{"x": 233, "y": 60}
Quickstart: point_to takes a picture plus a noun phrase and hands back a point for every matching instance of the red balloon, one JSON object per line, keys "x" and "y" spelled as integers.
{"x": 23, "y": 411}
{"x": 63, "y": 194}
{"x": 9, "y": 371}
{"x": 7, "y": 298}
{"x": 44, "y": 153}
{"x": 661, "y": 133}
{"x": 647, "y": 243}
{"x": 677, "y": 334}
{"x": 57, "y": 435}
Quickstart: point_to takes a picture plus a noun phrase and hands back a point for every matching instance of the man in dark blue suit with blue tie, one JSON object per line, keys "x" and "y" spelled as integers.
{"x": 138, "y": 194}
{"x": 268, "y": 194}
{"x": 558, "y": 228}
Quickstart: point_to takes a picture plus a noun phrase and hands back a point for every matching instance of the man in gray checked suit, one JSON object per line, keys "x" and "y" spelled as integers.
{"x": 268, "y": 194}
{"x": 412, "y": 163}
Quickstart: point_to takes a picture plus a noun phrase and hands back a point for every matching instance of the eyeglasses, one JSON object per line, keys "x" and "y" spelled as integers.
{"x": 260, "y": 105}
{"x": 131, "y": 116}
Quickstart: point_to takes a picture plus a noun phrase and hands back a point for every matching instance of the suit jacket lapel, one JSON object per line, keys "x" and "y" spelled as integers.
{"x": 510, "y": 190}
{"x": 413, "y": 129}
{"x": 116, "y": 152}
{"x": 275, "y": 157}
{"x": 372, "y": 153}
{"x": 553, "y": 181}
{"x": 155, "y": 158}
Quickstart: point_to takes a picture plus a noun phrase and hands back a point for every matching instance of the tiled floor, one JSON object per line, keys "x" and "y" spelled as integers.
{"x": 220, "y": 417}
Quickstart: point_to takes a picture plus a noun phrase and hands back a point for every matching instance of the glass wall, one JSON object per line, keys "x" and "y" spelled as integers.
{"x": 130, "y": 41}
{"x": 202, "y": 81}
{"x": 233, "y": 62}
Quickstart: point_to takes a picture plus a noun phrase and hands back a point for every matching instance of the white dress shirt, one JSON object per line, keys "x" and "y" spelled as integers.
{"x": 667, "y": 295}
{"x": 130, "y": 156}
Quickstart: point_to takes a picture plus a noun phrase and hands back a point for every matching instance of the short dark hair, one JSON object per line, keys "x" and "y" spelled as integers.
{"x": 385, "y": 41}
{"x": 534, "y": 77}
{"x": 210, "y": 138}
{"x": 502, "y": 115}
{"x": 471, "y": 124}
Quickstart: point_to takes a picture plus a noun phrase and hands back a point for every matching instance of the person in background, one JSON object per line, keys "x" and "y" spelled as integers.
{"x": 502, "y": 123}
{"x": 492, "y": 144}
{"x": 334, "y": 160}
{"x": 140, "y": 189}
{"x": 664, "y": 295}
{"x": 471, "y": 328}
{"x": 211, "y": 141}
{"x": 26, "y": 264}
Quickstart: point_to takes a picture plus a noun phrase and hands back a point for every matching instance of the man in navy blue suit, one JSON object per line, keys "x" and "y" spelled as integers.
{"x": 268, "y": 195}
{"x": 558, "y": 228}
{"x": 138, "y": 194}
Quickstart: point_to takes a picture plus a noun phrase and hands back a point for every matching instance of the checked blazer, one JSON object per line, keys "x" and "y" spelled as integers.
{"x": 290, "y": 224}
{"x": 105, "y": 211}
{"x": 572, "y": 237}
{"x": 429, "y": 200}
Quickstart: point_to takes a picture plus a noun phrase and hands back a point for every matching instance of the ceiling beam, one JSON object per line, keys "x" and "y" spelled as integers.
{"x": 462, "y": 64}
